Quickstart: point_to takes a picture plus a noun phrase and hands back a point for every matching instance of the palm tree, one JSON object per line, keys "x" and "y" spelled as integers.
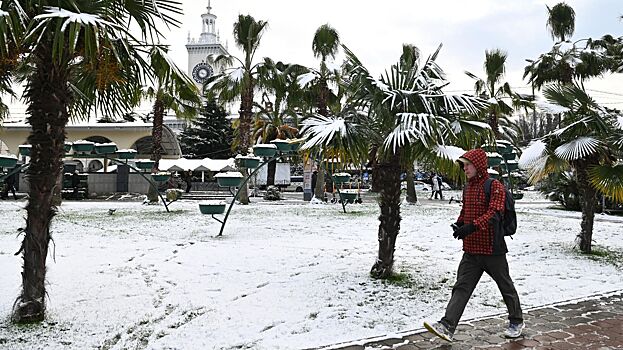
{"x": 74, "y": 57}
{"x": 408, "y": 116}
{"x": 172, "y": 89}
{"x": 240, "y": 82}
{"x": 590, "y": 142}
{"x": 498, "y": 93}
{"x": 325, "y": 44}
{"x": 561, "y": 21}
{"x": 277, "y": 119}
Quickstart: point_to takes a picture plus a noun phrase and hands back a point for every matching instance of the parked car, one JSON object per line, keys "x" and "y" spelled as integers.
{"x": 419, "y": 186}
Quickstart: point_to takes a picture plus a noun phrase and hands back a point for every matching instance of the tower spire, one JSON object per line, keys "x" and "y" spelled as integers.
{"x": 209, "y": 5}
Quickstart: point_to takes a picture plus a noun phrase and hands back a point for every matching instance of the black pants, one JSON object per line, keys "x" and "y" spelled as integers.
{"x": 188, "y": 186}
{"x": 470, "y": 271}
{"x": 7, "y": 188}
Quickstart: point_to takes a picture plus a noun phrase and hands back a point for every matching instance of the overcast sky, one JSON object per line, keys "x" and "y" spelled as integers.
{"x": 376, "y": 30}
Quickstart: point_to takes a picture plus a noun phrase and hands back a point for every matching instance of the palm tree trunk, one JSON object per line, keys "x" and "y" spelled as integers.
{"x": 389, "y": 227}
{"x": 323, "y": 97}
{"x": 244, "y": 133}
{"x": 493, "y": 122}
{"x": 375, "y": 184}
{"x": 411, "y": 194}
{"x": 156, "y": 133}
{"x": 588, "y": 201}
{"x": 47, "y": 95}
{"x": 270, "y": 176}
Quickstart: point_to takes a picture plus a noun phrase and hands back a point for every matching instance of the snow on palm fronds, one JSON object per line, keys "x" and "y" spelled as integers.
{"x": 450, "y": 152}
{"x": 323, "y": 131}
{"x": 577, "y": 148}
{"x": 73, "y": 17}
{"x": 412, "y": 127}
{"x": 531, "y": 155}
{"x": 305, "y": 79}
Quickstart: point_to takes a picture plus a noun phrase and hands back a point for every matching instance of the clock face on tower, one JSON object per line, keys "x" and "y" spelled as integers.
{"x": 202, "y": 72}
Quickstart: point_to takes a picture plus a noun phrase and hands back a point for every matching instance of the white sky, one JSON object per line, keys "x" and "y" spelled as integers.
{"x": 375, "y": 32}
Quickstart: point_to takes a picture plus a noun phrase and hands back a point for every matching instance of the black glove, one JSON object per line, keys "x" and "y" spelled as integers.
{"x": 456, "y": 225}
{"x": 464, "y": 231}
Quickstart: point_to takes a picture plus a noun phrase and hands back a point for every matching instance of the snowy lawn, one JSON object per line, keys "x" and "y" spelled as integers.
{"x": 285, "y": 275}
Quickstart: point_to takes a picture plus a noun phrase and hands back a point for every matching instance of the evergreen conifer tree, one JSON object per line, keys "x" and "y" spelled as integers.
{"x": 210, "y": 135}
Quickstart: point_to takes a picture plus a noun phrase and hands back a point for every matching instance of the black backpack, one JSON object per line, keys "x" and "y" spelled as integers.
{"x": 509, "y": 219}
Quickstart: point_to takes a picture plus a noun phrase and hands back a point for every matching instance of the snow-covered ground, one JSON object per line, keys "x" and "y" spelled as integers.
{"x": 285, "y": 275}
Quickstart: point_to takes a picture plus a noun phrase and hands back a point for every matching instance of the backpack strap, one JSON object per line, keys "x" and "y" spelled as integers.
{"x": 487, "y": 186}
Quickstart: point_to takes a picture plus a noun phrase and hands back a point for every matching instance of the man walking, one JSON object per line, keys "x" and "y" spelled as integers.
{"x": 484, "y": 249}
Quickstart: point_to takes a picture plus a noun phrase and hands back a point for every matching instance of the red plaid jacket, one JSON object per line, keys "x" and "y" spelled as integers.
{"x": 475, "y": 210}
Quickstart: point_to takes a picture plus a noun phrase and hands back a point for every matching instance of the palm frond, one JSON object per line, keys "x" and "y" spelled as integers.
{"x": 532, "y": 154}
{"x": 578, "y": 148}
{"x": 608, "y": 180}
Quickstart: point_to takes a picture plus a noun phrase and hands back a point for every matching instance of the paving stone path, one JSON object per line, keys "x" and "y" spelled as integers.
{"x": 593, "y": 323}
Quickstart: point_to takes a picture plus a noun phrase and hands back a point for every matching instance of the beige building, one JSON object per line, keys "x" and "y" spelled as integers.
{"x": 135, "y": 135}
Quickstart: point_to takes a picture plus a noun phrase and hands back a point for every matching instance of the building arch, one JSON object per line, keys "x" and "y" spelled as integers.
{"x": 170, "y": 146}
{"x": 98, "y": 139}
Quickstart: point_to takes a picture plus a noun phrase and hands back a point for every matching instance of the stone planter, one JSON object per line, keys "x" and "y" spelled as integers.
{"x": 494, "y": 159}
{"x": 509, "y": 166}
{"x": 264, "y": 150}
{"x": 7, "y": 161}
{"x": 105, "y": 148}
{"x": 341, "y": 178}
{"x": 145, "y": 164}
{"x": 229, "y": 179}
{"x": 348, "y": 196}
{"x": 24, "y": 150}
{"x": 160, "y": 177}
{"x": 126, "y": 154}
{"x": 282, "y": 145}
{"x": 509, "y": 156}
{"x": 214, "y": 207}
{"x": 248, "y": 162}
{"x": 83, "y": 146}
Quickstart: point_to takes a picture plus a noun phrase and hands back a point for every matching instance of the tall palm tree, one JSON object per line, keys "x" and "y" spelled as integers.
{"x": 497, "y": 92}
{"x": 325, "y": 45}
{"x": 74, "y": 56}
{"x": 171, "y": 89}
{"x": 277, "y": 118}
{"x": 561, "y": 21}
{"x": 404, "y": 112}
{"x": 590, "y": 142}
{"x": 240, "y": 82}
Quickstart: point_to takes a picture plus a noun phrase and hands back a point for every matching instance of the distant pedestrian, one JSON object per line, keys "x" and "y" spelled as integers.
{"x": 188, "y": 178}
{"x": 75, "y": 182}
{"x": 314, "y": 178}
{"x": 439, "y": 187}
{"x": 9, "y": 185}
{"x": 434, "y": 186}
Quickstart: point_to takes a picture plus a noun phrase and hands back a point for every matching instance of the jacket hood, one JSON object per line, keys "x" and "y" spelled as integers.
{"x": 478, "y": 157}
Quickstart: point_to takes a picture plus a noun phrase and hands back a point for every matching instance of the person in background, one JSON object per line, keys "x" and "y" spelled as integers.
{"x": 188, "y": 178}
{"x": 9, "y": 185}
{"x": 434, "y": 186}
{"x": 75, "y": 182}
{"x": 439, "y": 187}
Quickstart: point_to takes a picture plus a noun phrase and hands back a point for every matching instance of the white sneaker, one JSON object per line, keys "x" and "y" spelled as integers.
{"x": 514, "y": 330}
{"x": 440, "y": 330}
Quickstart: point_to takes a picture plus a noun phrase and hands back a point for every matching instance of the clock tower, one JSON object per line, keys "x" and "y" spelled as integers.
{"x": 200, "y": 48}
